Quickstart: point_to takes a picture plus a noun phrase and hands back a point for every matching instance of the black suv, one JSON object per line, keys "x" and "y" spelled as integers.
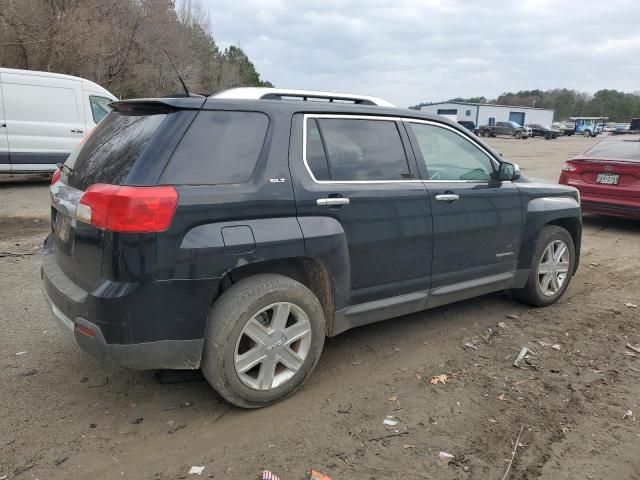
{"x": 234, "y": 235}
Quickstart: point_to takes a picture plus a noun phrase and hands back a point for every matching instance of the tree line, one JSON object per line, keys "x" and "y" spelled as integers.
{"x": 120, "y": 45}
{"x": 618, "y": 106}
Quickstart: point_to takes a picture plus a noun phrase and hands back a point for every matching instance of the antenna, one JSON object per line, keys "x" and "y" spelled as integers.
{"x": 184, "y": 86}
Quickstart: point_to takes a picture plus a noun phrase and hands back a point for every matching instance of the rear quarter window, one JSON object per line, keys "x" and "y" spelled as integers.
{"x": 220, "y": 147}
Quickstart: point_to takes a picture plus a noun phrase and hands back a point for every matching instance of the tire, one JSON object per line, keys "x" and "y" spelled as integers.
{"x": 486, "y": 133}
{"x": 586, "y": 133}
{"x": 518, "y": 135}
{"x": 226, "y": 339}
{"x": 548, "y": 136}
{"x": 532, "y": 292}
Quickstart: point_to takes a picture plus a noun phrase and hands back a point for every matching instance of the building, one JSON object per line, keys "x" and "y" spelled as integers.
{"x": 488, "y": 114}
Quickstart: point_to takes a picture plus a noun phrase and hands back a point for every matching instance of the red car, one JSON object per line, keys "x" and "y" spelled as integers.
{"x": 608, "y": 178}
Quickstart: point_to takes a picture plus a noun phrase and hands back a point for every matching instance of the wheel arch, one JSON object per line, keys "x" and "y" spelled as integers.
{"x": 313, "y": 273}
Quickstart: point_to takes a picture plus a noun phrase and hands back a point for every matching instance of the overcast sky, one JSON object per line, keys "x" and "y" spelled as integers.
{"x": 429, "y": 50}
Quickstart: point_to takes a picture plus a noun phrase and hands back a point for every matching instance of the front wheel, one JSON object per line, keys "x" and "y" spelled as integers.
{"x": 486, "y": 133}
{"x": 587, "y": 133}
{"x": 551, "y": 268}
{"x": 264, "y": 337}
{"x": 518, "y": 135}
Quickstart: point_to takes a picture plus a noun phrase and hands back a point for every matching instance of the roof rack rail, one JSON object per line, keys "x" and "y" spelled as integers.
{"x": 263, "y": 93}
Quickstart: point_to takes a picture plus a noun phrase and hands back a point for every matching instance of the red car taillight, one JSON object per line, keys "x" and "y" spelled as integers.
{"x": 128, "y": 209}
{"x": 569, "y": 167}
{"x": 55, "y": 178}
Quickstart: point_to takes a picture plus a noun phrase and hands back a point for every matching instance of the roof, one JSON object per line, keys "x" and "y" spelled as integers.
{"x": 487, "y": 105}
{"x": 255, "y": 93}
{"x": 86, "y": 84}
{"x": 588, "y": 118}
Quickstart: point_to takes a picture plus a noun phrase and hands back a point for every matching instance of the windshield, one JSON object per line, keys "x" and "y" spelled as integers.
{"x": 621, "y": 150}
{"x": 514, "y": 124}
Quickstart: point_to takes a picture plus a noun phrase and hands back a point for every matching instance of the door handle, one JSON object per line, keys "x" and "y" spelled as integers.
{"x": 76, "y": 131}
{"x": 448, "y": 197}
{"x": 332, "y": 201}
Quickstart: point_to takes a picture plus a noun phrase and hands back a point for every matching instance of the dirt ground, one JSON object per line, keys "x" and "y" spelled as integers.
{"x": 64, "y": 416}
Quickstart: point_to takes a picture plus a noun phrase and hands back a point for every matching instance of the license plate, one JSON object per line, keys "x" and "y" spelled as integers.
{"x": 62, "y": 227}
{"x": 608, "y": 178}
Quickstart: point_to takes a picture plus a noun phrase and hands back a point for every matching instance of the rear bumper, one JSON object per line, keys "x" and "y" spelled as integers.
{"x": 150, "y": 326}
{"x": 609, "y": 205}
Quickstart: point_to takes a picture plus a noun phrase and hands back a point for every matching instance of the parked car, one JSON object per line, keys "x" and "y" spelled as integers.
{"x": 545, "y": 131}
{"x": 234, "y": 233}
{"x": 510, "y": 129}
{"x": 43, "y": 116}
{"x": 469, "y": 125}
{"x": 632, "y": 128}
{"x": 608, "y": 178}
{"x": 589, "y": 126}
{"x": 567, "y": 128}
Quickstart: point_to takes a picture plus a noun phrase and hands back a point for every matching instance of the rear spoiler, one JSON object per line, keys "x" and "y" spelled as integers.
{"x": 151, "y": 106}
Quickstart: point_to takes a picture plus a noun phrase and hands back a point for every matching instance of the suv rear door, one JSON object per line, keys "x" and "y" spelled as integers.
{"x": 477, "y": 222}
{"x": 359, "y": 171}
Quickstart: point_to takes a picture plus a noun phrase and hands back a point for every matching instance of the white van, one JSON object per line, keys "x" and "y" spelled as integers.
{"x": 43, "y": 116}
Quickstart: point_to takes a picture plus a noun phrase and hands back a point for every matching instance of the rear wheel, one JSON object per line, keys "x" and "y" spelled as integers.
{"x": 486, "y": 133}
{"x": 551, "y": 268}
{"x": 264, "y": 337}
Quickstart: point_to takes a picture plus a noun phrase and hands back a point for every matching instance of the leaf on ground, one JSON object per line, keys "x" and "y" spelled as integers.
{"x": 436, "y": 379}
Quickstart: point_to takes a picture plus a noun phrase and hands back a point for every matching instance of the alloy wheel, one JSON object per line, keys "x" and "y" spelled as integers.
{"x": 553, "y": 268}
{"x": 272, "y": 346}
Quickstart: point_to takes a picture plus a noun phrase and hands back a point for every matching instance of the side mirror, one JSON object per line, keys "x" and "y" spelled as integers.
{"x": 508, "y": 171}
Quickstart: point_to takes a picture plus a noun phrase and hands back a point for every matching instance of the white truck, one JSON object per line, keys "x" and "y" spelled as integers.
{"x": 43, "y": 116}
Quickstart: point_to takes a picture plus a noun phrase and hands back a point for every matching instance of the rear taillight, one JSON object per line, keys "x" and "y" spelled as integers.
{"x": 128, "y": 209}
{"x": 569, "y": 167}
{"x": 55, "y": 178}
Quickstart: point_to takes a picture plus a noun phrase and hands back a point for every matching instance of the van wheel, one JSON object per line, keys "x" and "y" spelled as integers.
{"x": 263, "y": 339}
{"x": 551, "y": 268}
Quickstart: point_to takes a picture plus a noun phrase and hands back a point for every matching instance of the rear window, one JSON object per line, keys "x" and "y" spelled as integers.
{"x": 220, "y": 147}
{"x": 109, "y": 153}
{"x": 624, "y": 150}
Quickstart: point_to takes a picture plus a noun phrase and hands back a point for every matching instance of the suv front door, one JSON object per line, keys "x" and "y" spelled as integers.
{"x": 356, "y": 178}
{"x": 477, "y": 221}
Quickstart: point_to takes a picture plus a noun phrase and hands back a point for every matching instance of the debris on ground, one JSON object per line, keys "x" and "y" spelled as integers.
{"x": 180, "y": 405}
{"x": 388, "y": 435}
{"x": 630, "y": 305}
{"x": 627, "y": 414}
{"x": 513, "y": 455}
{"x": 29, "y": 373}
{"x": 268, "y": 475}
{"x": 344, "y": 408}
{"x": 635, "y": 348}
{"x": 19, "y": 354}
{"x": 499, "y": 329}
{"x": 436, "y": 379}
{"x": 472, "y": 343}
{"x": 512, "y": 316}
{"x": 526, "y": 355}
{"x": 196, "y": 470}
{"x": 137, "y": 421}
{"x": 390, "y": 421}
{"x": 556, "y": 346}
{"x": 445, "y": 458}
{"x": 21, "y": 470}
{"x": 60, "y": 461}
{"x": 315, "y": 475}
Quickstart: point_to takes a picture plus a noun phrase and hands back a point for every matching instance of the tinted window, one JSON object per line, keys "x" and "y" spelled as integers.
{"x": 360, "y": 149}
{"x": 316, "y": 157}
{"x": 99, "y": 107}
{"x": 109, "y": 153}
{"x": 449, "y": 156}
{"x": 219, "y": 148}
{"x": 624, "y": 150}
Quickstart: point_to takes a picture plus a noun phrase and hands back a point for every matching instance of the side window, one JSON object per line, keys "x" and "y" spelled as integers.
{"x": 220, "y": 147}
{"x": 362, "y": 150}
{"x": 99, "y": 107}
{"x": 316, "y": 157}
{"x": 449, "y": 156}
